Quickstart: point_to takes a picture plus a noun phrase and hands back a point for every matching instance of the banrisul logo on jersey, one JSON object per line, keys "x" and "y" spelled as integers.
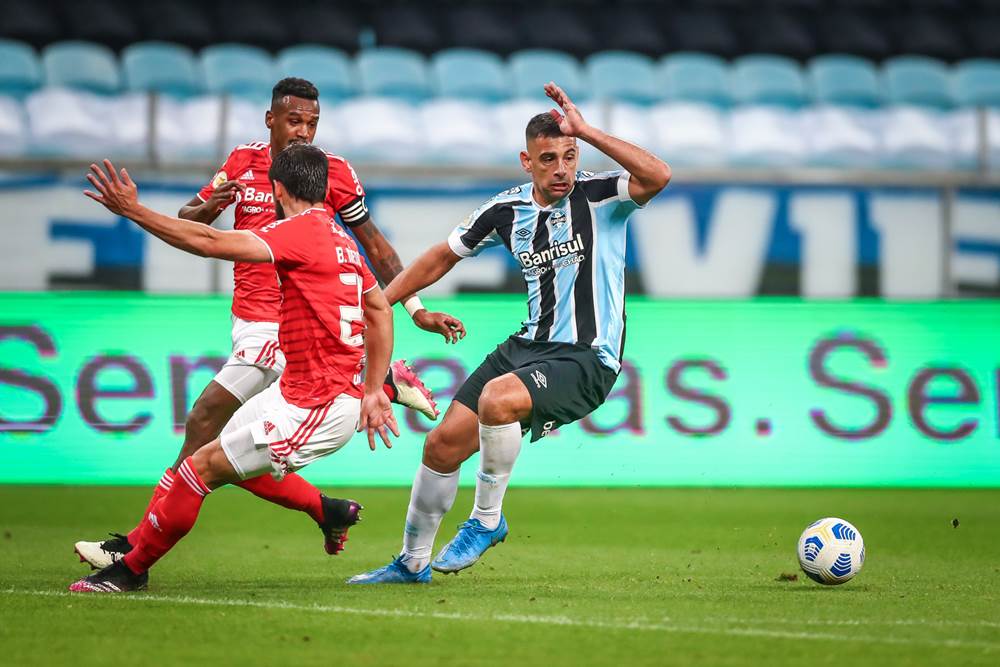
{"x": 553, "y": 257}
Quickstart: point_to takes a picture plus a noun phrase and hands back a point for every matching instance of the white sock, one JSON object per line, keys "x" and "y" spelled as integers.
{"x": 432, "y": 496}
{"x": 498, "y": 449}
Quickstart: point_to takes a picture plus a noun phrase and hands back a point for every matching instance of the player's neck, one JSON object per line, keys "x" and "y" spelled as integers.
{"x": 293, "y": 207}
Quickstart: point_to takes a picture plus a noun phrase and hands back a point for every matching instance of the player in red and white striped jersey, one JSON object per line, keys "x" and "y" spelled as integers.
{"x": 332, "y": 317}
{"x": 257, "y": 359}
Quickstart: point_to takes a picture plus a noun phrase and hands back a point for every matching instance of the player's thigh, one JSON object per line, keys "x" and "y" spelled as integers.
{"x": 564, "y": 390}
{"x": 269, "y": 435}
{"x": 495, "y": 364}
{"x": 244, "y": 381}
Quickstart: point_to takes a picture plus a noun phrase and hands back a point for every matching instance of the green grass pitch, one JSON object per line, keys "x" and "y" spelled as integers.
{"x": 587, "y": 577}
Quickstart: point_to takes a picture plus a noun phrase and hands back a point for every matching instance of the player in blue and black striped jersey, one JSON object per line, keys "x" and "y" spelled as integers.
{"x": 566, "y": 229}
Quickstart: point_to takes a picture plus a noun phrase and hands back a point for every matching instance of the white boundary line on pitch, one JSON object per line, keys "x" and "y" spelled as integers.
{"x": 563, "y": 621}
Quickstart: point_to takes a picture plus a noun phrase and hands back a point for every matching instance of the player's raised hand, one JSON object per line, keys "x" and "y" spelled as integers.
{"x": 377, "y": 417}
{"x": 442, "y": 323}
{"x": 115, "y": 190}
{"x": 571, "y": 121}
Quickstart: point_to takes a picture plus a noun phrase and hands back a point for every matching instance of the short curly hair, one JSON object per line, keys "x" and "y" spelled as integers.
{"x": 294, "y": 87}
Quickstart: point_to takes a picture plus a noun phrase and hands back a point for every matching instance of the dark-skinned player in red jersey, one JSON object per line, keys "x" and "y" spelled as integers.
{"x": 257, "y": 359}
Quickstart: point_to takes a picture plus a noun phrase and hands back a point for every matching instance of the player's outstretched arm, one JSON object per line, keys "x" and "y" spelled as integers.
{"x": 376, "y": 411}
{"x": 117, "y": 193}
{"x": 649, "y": 173}
{"x": 429, "y": 268}
{"x": 387, "y": 265}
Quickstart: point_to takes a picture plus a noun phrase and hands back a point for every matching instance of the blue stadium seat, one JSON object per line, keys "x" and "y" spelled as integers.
{"x": 240, "y": 70}
{"x": 917, "y": 80}
{"x": 695, "y": 77}
{"x": 470, "y": 74}
{"x": 330, "y": 69}
{"x": 622, "y": 75}
{"x": 20, "y": 71}
{"x": 161, "y": 67}
{"x": 771, "y": 80}
{"x": 533, "y": 68}
{"x": 843, "y": 79}
{"x": 977, "y": 83}
{"x": 81, "y": 65}
{"x": 393, "y": 72}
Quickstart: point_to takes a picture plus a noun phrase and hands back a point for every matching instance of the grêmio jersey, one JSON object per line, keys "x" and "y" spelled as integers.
{"x": 572, "y": 256}
{"x": 255, "y": 294}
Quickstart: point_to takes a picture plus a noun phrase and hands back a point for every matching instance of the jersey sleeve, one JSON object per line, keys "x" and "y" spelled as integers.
{"x": 227, "y": 172}
{"x": 609, "y": 187}
{"x": 368, "y": 282}
{"x": 287, "y": 240}
{"x": 477, "y": 232}
{"x": 345, "y": 194}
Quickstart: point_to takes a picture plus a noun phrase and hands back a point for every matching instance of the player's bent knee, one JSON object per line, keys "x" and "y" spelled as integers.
{"x": 442, "y": 453}
{"x": 213, "y": 466}
{"x": 504, "y": 400}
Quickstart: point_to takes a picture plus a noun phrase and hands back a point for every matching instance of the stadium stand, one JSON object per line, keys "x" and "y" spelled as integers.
{"x": 840, "y": 83}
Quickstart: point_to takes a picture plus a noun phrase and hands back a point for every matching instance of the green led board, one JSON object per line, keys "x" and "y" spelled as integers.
{"x": 94, "y": 388}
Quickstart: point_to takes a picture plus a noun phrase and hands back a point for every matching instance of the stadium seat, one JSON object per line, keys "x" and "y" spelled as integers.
{"x": 188, "y": 129}
{"x": 840, "y": 136}
{"x": 690, "y": 133}
{"x": 930, "y": 35}
{"x": 380, "y": 130}
{"x": 13, "y": 128}
{"x": 531, "y": 69}
{"x": 81, "y": 65}
{"x": 704, "y": 31}
{"x": 470, "y": 74}
{"x": 695, "y": 77}
{"x": 239, "y": 70}
{"x": 328, "y": 68}
{"x": 161, "y": 67}
{"x": 29, "y": 21}
{"x": 330, "y": 26}
{"x": 843, "y": 79}
{"x": 853, "y": 33}
{"x": 778, "y": 33}
{"x": 917, "y": 80}
{"x": 559, "y": 28}
{"x": 966, "y": 138}
{"x": 407, "y": 27}
{"x": 631, "y": 28}
{"x": 256, "y": 22}
{"x": 178, "y": 21}
{"x": 630, "y": 122}
{"x": 765, "y": 136}
{"x": 458, "y": 132}
{"x": 512, "y": 116}
{"x": 622, "y": 75}
{"x": 915, "y": 138}
{"x": 393, "y": 72}
{"x": 101, "y": 21}
{"x": 977, "y": 83}
{"x": 772, "y": 80}
{"x": 244, "y": 122}
{"x": 76, "y": 123}
{"x": 20, "y": 71}
{"x": 478, "y": 27}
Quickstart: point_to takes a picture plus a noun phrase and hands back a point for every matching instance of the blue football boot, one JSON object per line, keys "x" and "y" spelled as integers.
{"x": 395, "y": 572}
{"x": 471, "y": 542}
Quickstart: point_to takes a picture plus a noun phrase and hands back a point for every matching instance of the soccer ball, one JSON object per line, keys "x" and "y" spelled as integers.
{"x": 831, "y": 551}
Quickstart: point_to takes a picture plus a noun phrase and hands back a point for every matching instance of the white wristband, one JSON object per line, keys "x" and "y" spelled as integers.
{"x": 413, "y": 304}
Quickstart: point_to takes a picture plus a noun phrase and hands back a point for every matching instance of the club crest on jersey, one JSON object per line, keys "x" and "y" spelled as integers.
{"x": 558, "y": 218}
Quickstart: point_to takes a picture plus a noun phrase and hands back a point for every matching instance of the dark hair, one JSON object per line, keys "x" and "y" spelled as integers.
{"x": 303, "y": 170}
{"x": 294, "y": 87}
{"x": 542, "y": 125}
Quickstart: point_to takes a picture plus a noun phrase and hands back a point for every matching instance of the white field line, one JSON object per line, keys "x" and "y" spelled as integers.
{"x": 564, "y": 621}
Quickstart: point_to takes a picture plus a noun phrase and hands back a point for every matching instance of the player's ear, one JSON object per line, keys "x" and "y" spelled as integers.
{"x": 269, "y": 118}
{"x": 526, "y": 161}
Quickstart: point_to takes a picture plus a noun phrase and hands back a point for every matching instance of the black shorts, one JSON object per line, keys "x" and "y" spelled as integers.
{"x": 566, "y": 381}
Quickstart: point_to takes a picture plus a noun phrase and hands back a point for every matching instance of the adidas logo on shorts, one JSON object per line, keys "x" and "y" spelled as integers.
{"x": 268, "y": 427}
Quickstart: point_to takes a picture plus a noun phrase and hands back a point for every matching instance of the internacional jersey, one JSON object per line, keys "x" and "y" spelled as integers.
{"x": 572, "y": 256}
{"x": 321, "y": 322}
{"x": 255, "y": 292}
